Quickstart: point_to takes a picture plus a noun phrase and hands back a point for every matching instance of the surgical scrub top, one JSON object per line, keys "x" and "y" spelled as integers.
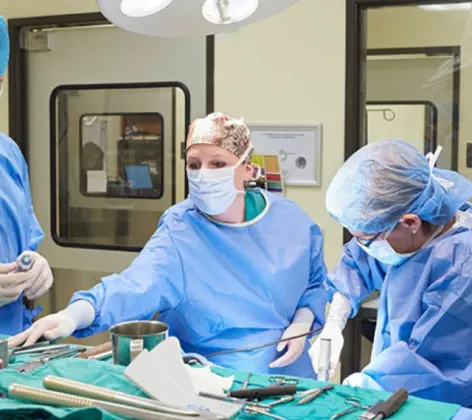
{"x": 424, "y": 325}
{"x": 19, "y": 228}
{"x": 221, "y": 287}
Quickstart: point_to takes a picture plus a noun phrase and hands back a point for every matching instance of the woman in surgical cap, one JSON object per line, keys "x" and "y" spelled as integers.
{"x": 227, "y": 268}
{"x": 24, "y": 274}
{"x": 412, "y": 241}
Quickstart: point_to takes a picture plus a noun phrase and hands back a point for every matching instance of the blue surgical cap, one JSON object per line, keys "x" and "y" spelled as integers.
{"x": 384, "y": 180}
{"x": 4, "y": 46}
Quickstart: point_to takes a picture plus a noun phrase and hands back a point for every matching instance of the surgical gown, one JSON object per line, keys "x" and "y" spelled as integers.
{"x": 424, "y": 325}
{"x": 221, "y": 287}
{"x": 19, "y": 228}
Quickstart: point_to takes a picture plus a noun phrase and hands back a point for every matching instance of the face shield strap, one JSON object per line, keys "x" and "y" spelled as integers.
{"x": 433, "y": 159}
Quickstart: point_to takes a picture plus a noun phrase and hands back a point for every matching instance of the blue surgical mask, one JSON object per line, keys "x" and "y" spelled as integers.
{"x": 382, "y": 251}
{"x": 213, "y": 190}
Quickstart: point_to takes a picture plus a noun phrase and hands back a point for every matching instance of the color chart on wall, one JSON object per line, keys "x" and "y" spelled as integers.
{"x": 271, "y": 177}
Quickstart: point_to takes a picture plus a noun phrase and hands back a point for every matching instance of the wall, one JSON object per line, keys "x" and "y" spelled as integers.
{"x": 398, "y": 27}
{"x": 277, "y": 59}
{"x": 286, "y": 69}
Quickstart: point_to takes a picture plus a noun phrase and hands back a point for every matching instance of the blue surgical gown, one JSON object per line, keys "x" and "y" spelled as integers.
{"x": 19, "y": 228}
{"x": 222, "y": 287}
{"x": 424, "y": 326}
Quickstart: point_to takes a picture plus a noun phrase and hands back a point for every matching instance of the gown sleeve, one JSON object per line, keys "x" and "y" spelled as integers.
{"x": 356, "y": 276}
{"x": 314, "y": 296}
{"x": 153, "y": 282}
{"x": 36, "y": 234}
{"x": 436, "y": 361}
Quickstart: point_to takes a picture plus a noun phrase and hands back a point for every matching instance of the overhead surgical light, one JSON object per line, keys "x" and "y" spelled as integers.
{"x": 188, "y": 18}
{"x": 447, "y": 7}
{"x": 228, "y": 11}
{"x": 141, "y": 8}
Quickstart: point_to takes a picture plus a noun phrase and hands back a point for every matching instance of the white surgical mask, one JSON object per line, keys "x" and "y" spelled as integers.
{"x": 382, "y": 251}
{"x": 213, "y": 190}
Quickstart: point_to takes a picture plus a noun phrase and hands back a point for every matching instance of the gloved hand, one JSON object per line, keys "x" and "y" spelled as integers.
{"x": 41, "y": 276}
{"x": 301, "y": 324}
{"x": 12, "y": 283}
{"x": 333, "y": 330}
{"x": 77, "y": 316}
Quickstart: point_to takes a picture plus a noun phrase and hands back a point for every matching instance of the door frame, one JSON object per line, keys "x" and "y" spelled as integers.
{"x": 356, "y": 53}
{"x": 455, "y": 52}
{"x": 18, "y": 89}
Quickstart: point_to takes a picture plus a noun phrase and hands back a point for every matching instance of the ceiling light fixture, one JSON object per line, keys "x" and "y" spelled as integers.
{"x": 447, "y": 7}
{"x": 223, "y": 12}
{"x": 141, "y": 8}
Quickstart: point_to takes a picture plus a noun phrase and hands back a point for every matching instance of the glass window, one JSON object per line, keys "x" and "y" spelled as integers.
{"x": 117, "y": 161}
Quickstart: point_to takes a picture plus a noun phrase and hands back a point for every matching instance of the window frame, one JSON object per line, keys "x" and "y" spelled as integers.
{"x": 54, "y": 152}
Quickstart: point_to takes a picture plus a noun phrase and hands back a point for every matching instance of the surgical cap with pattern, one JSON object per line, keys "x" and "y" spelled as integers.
{"x": 220, "y": 130}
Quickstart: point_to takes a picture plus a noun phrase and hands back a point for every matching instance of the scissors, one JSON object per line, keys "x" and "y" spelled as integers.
{"x": 283, "y": 380}
{"x": 355, "y": 404}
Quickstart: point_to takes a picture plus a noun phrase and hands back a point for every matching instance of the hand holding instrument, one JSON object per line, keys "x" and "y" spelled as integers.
{"x": 385, "y": 409}
{"x": 314, "y": 394}
{"x": 261, "y": 393}
{"x": 325, "y": 359}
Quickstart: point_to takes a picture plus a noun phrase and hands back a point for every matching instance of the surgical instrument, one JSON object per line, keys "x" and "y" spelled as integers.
{"x": 262, "y": 346}
{"x": 355, "y": 404}
{"x": 262, "y": 412}
{"x": 42, "y": 349}
{"x": 39, "y": 344}
{"x": 284, "y": 400}
{"x": 54, "y": 383}
{"x": 102, "y": 348}
{"x": 284, "y": 380}
{"x": 325, "y": 359}
{"x": 60, "y": 399}
{"x": 261, "y": 393}
{"x": 228, "y": 399}
{"x": 246, "y": 382}
{"x": 385, "y": 409}
{"x": 31, "y": 365}
{"x": 25, "y": 262}
{"x": 4, "y": 353}
{"x": 314, "y": 394}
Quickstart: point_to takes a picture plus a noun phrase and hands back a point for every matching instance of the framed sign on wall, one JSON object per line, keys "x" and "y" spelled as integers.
{"x": 297, "y": 145}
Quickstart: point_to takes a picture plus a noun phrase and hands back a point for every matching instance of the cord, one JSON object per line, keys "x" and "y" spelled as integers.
{"x": 272, "y": 343}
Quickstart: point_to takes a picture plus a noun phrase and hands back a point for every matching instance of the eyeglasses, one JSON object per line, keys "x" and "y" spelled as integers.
{"x": 368, "y": 242}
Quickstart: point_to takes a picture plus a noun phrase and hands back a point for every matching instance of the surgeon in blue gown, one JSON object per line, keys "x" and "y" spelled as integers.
{"x": 226, "y": 269}
{"x": 20, "y": 232}
{"x": 412, "y": 241}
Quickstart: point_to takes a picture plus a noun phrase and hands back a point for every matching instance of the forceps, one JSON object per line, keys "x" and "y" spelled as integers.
{"x": 355, "y": 404}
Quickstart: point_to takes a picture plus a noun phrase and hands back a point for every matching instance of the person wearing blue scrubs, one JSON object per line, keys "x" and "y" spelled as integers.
{"x": 20, "y": 232}
{"x": 227, "y": 268}
{"x": 412, "y": 228}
